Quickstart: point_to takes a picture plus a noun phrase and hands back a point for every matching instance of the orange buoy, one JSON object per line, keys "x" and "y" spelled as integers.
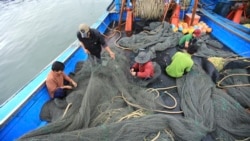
{"x": 209, "y": 30}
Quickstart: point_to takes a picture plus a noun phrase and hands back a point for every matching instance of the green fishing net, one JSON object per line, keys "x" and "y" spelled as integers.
{"x": 109, "y": 105}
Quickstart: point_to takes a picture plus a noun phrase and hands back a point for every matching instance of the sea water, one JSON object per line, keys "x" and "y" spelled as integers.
{"x": 34, "y": 32}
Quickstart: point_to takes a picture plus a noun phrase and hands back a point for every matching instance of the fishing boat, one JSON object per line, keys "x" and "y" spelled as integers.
{"x": 234, "y": 35}
{"x": 20, "y": 113}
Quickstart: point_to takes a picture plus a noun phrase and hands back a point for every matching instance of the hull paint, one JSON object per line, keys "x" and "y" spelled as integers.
{"x": 22, "y": 110}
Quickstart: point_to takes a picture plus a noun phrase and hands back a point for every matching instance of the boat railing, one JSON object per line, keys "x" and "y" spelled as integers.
{"x": 17, "y": 100}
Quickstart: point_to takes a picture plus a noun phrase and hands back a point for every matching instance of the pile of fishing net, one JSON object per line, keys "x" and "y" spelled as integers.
{"x": 108, "y": 104}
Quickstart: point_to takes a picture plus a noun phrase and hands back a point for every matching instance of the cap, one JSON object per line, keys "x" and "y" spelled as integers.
{"x": 197, "y": 32}
{"x": 84, "y": 28}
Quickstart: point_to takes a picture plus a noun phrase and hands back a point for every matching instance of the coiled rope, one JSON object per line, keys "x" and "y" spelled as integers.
{"x": 236, "y": 85}
{"x": 149, "y": 9}
{"x": 159, "y": 111}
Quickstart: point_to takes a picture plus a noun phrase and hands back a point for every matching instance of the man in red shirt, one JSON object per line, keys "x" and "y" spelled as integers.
{"x": 57, "y": 81}
{"x": 143, "y": 66}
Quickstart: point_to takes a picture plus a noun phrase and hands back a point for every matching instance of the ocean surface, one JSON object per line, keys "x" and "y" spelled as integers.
{"x": 34, "y": 32}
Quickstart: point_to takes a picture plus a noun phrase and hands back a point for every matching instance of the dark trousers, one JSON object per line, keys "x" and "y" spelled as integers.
{"x": 96, "y": 57}
{"x": 180, "y": 47}
{"x": 61, "y": 93}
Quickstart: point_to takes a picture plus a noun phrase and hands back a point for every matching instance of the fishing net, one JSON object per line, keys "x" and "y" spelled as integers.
{"x": 157, "y": 35}
{"x": 109, "y": 104}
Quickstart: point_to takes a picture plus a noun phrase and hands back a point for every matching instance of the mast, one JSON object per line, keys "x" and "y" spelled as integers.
{"x": 194, "y": 11}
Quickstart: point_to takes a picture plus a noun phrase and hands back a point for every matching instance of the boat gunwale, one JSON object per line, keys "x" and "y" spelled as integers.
{"x": 14, "y": 104}
{"x": 40, "y": 78}
{"x": 228, "y": 27}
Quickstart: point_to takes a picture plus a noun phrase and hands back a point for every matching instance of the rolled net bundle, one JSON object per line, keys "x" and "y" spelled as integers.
{"x": 235, "y": 81}
{"x": 195, "y": 90}
{"x": 221, "y": 114}
{"x": 206, "y": 50}
{"x": 232, "y": 120}
{"x": 149, "y": 127}
{"x": 158, "y": 35}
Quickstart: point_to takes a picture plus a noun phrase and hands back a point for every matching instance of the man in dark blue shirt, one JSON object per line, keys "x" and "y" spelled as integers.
{"x": 93, "y": 41}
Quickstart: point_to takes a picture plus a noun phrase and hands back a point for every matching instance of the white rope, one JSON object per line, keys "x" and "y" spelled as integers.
{"x": 66, "y": 110}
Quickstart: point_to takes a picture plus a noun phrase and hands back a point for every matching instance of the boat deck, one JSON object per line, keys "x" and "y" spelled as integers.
{"x": 108, "y": 102}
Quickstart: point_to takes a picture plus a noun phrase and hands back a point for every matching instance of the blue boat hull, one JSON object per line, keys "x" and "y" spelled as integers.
{"x": 234, "y": 36}
{"x": 25, "y": 117}
{"x": 21, "y": 112}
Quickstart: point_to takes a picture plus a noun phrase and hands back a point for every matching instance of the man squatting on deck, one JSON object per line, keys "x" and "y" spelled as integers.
{"x": 143, "y": 66}
{"x": 181, "y": 62}
{"x": 92, "y": 41}
{"x": 189, "y": 39}
{"x": 58, "y": 82}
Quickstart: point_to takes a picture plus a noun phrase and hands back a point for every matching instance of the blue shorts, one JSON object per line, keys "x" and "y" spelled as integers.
{"x": 59, "y": 93}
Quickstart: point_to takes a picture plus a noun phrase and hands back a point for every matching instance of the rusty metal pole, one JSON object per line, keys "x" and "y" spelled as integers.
{"x": 133, "y": 5}
{"x": 121, "y": 13}
{"x": 194, "y": 11}
{"x": 166, "y": 10}
{"x": 133, "y": 8}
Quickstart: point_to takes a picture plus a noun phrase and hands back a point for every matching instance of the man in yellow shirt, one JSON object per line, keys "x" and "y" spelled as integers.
{"x": 181, "y": 62}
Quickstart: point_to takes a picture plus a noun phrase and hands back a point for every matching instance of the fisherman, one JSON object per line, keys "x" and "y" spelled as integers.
{"x": 92, "y": 41}
{"x": 181, "y": 62}
{"x": 143, "y": 66}
{"x": 58, "y": 82}
{"x": 188, "y": 39}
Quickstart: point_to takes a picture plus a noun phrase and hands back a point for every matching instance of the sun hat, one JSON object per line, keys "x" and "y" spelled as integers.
{"x": 142, "y": 57}
{"x": 197, "y": 32}
{"x": 84, "y": 29}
